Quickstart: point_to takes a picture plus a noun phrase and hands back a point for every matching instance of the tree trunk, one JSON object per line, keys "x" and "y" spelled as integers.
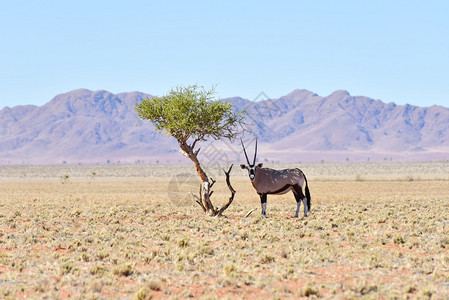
{"x": 210, "y": 210}
{"x": 205, "y": 192}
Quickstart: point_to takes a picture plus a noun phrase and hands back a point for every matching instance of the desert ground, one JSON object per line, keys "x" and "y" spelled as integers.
{"x": 375, "y": 231}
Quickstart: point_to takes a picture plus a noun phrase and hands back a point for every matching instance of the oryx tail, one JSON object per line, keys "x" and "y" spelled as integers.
{"x": 309, "y": 204}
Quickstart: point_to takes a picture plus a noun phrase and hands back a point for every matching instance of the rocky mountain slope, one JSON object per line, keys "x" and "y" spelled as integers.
{"x": 84, "y": 126}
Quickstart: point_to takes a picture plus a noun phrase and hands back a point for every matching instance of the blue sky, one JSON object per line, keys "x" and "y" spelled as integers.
{"x": 396, "y": 51}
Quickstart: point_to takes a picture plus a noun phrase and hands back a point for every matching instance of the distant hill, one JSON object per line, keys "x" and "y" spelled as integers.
{"x": 84, "y": 126}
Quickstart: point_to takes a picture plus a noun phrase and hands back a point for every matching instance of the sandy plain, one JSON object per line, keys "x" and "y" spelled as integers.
{"x": 376, "y": 230}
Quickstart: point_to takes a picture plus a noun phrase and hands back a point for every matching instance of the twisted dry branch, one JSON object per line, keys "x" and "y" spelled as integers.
{"x": 228, "y": 182}
{"x": 217, "y": 212}
{"x": 249, "y": 213}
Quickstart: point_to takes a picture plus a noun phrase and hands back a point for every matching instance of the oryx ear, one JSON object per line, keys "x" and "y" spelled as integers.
{"x": 243, "y": 166}
{"x": 260, "y": 165}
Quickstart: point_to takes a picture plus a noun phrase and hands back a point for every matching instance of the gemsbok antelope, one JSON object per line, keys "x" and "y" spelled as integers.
{"x": 277, "y": 182}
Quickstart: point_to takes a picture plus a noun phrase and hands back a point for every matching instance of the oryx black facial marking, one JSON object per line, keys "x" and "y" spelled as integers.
{"x": 276, "y": 182}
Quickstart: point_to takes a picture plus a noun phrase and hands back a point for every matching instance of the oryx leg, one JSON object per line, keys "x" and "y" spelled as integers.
{"x": 263, "y": 202}
{"x": 304, "y": 200}
{"x": 299, "y": 196}
{"x": 298, "y": 204}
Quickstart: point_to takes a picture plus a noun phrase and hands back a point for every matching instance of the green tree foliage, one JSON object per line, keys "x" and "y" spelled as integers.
{"x": 191, "y": 112}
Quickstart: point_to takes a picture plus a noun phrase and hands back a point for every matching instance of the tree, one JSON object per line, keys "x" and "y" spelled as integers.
{"x": 191, "y": 115}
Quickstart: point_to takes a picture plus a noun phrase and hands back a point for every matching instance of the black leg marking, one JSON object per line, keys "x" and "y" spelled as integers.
{"x": 263, "y": 202}
{"x": 299, "y": 196}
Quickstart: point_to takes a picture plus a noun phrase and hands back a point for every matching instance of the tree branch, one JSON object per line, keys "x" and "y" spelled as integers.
{"x": 198, "y": 200}
{"x": 228, "y": 182}
{"x": 194, "y": 143}
{"x": 213, "y": 182}
{"x": 250, "y": 212}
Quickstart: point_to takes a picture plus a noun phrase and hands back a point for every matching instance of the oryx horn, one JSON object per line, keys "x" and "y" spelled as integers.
{"x": 246, "y": 155}
{"x": 255, "y": 153}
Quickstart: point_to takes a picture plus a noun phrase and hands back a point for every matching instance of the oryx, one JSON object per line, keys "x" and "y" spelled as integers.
{"x": 268, "y": 181}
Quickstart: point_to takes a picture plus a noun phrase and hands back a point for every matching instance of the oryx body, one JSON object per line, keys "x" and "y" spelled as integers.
{"x": 276, "y": 182}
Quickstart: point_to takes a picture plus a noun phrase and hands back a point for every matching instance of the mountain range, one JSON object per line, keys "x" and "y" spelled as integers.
{"x": 84, "y": 126}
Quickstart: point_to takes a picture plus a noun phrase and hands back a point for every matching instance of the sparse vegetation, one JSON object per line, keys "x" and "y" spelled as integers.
{"x": 64, "y": 178}
{"x": 117, "y": 237}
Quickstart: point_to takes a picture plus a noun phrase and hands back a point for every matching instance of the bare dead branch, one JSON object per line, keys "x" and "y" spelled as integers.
{"x": 228, "y": 182}
{"x": 198, "y": 200}
{"x": 211, "y": 192}
{"x": 207, "y": 206}
{"x": 213, "y": 182}
{"x": 203, "y": 205}
{"x": 205, "y": 192}
{"x": 250, "y": 212}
